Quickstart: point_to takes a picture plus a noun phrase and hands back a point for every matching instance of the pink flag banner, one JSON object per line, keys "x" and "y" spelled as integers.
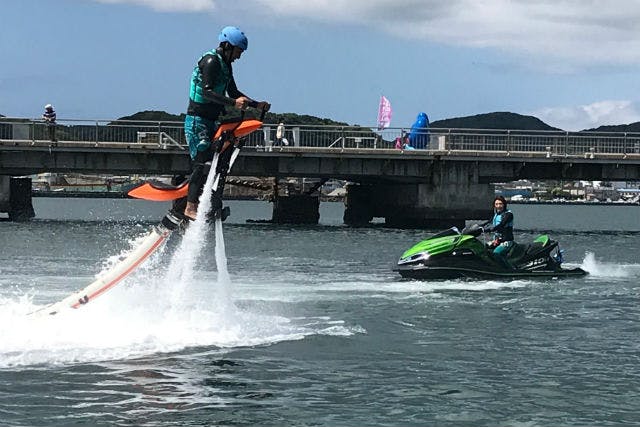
{"x": 384, "y": 113}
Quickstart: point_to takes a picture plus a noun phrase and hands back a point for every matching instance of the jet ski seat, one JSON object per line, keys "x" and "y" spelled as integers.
{"x": 517, "y": 251}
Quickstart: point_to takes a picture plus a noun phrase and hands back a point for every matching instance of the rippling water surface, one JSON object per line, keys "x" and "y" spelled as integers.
{"x": 313, "y": 328}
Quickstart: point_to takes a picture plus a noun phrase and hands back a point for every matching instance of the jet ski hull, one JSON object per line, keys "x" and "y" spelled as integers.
{"x": 445, "y": 273}
{"x": 452, "y": 254}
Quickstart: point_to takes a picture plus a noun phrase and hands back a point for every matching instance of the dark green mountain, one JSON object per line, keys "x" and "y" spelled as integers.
{"x": 497, "y": 120}
{"x": 163, "y": 116}
{"x": 631, "y": 127}
{"x": 300, "y": 119}
{"x": 154, "y": 116}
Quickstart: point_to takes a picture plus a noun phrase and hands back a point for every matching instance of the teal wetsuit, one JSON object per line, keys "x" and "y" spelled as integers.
{"x": 211, "y": 80}
{"x": 502, "y": 226}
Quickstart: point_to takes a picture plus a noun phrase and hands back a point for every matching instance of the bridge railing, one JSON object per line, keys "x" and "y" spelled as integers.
{"x": 139, "y": 133}
{"x": 131, "y": 133}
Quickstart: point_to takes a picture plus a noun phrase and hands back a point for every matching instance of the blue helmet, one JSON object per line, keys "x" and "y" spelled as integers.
{"x": 234, "y": 36}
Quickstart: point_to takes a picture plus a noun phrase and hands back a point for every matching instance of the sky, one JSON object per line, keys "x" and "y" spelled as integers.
{"x": 574, "y": 64}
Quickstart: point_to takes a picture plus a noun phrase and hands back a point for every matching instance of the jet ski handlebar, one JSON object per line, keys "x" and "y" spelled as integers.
{"x": 254, "y": 104}
{"x": 473, "y": 230}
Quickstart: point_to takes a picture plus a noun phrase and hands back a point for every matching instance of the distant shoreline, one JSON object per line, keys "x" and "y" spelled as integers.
{"x": 80, "y": 194}
{"x": 571, "y": 202}
{"x": 104, "y": 195}
{"x": 123, "y": 195}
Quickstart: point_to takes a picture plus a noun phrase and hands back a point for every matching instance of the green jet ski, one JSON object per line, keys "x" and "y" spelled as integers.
{"x": 454, "y": 254}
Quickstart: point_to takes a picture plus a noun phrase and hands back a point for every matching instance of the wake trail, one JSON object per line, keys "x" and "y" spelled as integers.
{"x": 609, "y": 270}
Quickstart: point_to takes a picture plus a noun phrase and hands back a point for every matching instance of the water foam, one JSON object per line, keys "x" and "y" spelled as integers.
{"x": 138, "y": 318}
{"x": 602, "y": 269}
{"x": 156, "y": 309}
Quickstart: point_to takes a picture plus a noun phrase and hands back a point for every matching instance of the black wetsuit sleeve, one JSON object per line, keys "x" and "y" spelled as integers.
{"x": 233, "y": 91}
{"x": 210, "y": 69}
{"x": 507, "y": 217}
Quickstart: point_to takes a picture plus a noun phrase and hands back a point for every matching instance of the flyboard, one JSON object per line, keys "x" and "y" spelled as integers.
{"x": 227, "y": 142}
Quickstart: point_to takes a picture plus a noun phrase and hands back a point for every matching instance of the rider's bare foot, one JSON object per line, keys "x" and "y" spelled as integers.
{"x": 191, "y": 210}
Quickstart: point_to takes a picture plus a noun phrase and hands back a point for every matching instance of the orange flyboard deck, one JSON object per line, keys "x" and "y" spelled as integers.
{"x": 149, "y": 192}
{"x": 245, "y": 128}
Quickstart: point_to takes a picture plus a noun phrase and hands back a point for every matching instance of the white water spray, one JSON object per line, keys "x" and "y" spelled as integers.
{"x": 224, "y": 280}
{"x": 154, "y": 313}
{"x": 180, "y": 272}
{"x": 602, "y": 269}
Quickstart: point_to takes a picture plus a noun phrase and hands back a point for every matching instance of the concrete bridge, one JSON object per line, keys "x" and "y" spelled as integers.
{"x": 448, "y": 181}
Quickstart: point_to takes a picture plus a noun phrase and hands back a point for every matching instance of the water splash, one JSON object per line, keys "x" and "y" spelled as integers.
{"x": 224, "y": 280}
{"x": 183, "y": 262}
{"x": 154, "y": 310}
{"x": 137, "y": 319}
{"x": 602, "y": 269}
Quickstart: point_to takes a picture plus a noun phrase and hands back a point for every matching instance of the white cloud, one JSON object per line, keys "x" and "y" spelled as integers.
{"x": 609, "y": 112}
{"x": 170, "y": 5}
{"x": 554, "y": 34}
{"x": 574, "y": 31}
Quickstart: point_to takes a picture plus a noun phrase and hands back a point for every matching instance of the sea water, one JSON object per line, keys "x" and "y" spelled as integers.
{"x": 313, "y": 327}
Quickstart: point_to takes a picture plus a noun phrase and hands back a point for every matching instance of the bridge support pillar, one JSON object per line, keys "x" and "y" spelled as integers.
{"x": 5, "y": 193}
{"x": 359, "y": 209}
{"x": 453, "y": 196}
{"x": 15, "y": 198}
{"x": 296, "y": 209}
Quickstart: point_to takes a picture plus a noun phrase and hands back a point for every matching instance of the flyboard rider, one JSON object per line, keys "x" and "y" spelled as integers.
{"x": 212, "y": 89}
{"x": 502, "y": 226}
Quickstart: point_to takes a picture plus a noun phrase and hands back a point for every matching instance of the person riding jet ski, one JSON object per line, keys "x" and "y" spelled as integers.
{"x": 455, "y": 254}
{"x": 502, "y": 226}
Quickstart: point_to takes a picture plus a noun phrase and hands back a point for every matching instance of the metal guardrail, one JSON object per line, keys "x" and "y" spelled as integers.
{"x": 132, "y": 133}
{"x": 171, "y": 135}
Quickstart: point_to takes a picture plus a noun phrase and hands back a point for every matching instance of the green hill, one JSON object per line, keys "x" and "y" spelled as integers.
{"x": 497, "y": 120}
{"x": 300, "y": 119}
{"x": 631, "y": 127}
{"x": 163, "y": 116}
{"x": 154, "y": 116}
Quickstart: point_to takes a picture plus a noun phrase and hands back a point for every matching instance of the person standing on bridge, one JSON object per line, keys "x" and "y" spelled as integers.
{"x": 49, "y": 117}
{"x": 212, "y": 89}
{"x": 279, "y": 134}
{"x": 502, "y": 226}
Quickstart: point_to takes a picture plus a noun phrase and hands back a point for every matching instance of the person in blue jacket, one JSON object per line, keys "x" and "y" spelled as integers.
{"x": 419, "y": 135}
{"x": 212, "y": 89}
{"x": 502, "y": 226}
